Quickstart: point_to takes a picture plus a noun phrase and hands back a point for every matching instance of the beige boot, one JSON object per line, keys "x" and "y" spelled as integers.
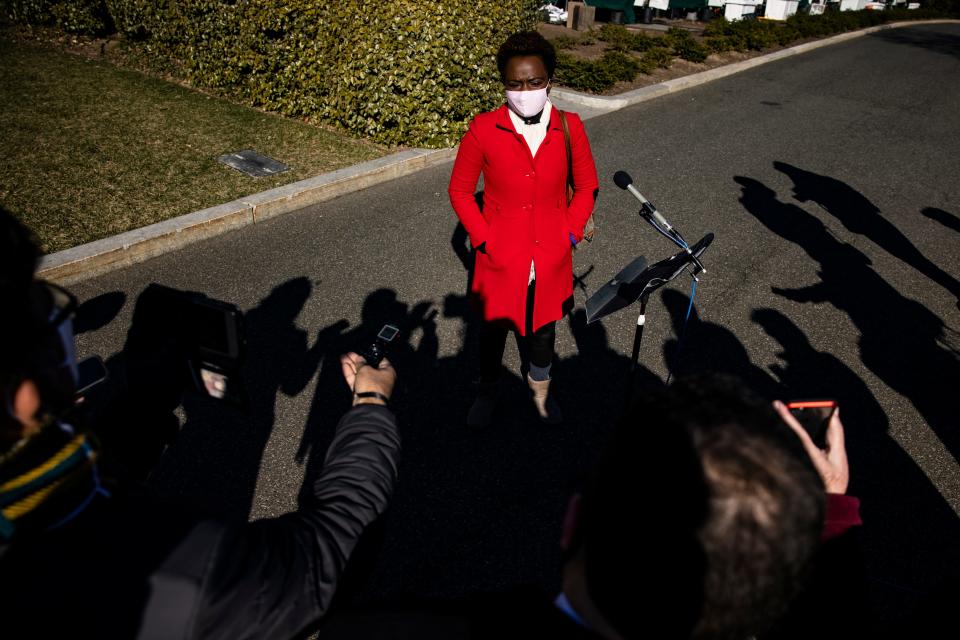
{"x": 547, "y": 407}
{"x": 481, "y": 411}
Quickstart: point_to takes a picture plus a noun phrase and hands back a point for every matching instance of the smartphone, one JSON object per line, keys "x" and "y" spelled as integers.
{"x": 814, "y": 416}
{"x": 90, "y": 373}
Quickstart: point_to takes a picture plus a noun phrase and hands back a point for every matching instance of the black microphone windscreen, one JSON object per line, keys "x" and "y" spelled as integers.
{"x": 622, "y": 179}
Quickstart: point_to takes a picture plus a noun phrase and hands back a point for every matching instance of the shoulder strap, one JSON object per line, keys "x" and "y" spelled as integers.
{"x": 566, "y": 140}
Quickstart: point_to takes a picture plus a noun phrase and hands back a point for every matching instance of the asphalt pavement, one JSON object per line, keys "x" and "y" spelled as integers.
{"x": 831, "y": 182}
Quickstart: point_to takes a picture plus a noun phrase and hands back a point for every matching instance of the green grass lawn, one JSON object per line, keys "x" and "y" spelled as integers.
{"x": 89, "y": 150}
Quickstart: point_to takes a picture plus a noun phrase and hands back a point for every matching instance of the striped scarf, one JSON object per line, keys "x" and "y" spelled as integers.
{"x": 46, "y": 479}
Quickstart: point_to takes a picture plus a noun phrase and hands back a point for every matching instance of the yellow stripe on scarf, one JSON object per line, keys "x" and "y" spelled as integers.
{"x": 31, "y": 501}
{"x": 33, "y": 474}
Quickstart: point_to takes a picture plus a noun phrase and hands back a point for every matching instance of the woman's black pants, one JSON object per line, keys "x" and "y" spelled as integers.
{"x": 493, "y": 340}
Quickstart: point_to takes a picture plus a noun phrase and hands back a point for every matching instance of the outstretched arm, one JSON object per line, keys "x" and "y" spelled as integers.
{"x": 274, "y": 577}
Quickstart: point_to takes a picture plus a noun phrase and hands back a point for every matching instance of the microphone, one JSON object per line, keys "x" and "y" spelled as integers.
{"x": 623, "y": 180}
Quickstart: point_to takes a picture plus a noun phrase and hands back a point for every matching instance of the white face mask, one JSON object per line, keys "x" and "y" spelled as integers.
{"x": 527, "y": 103}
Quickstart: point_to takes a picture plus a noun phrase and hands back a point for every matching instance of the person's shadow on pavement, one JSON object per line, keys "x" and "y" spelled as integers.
{"x": 945, "y": 218}
{"x": 859, "y": 215}
{"x": 709, "y": 347}
{"x": 901, "y": 341}
{"x": 897, "y": 499}
{"x": 909, "y": 349}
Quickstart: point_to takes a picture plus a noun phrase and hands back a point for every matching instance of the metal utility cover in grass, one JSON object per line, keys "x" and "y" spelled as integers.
{"x": 253, "y": 164}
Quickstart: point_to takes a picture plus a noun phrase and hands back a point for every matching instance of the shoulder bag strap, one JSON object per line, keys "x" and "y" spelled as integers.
{"x": 566, "y": 141}
{"x": 589, "y": 229}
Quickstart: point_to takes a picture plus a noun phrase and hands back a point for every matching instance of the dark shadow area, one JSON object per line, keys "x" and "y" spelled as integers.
{"x": 465, "y": 252}
{"x": 901, "y": 341}
{"x": 417, "y": 369}
{"x": 475, "y": 510}
{"x": 460, "y": 243}
{"x": 948, "y": 220}
{"x": 216, "y": 458}
{"x": 910, "y": 531}
{"x": 332, "y": 397}
{"x": 580, "y": 280}
{"x": 907, "y": 519}
{"x": 98, "y": 312}
{"x": 501, "y": 606}
{"x": 937, "y": 41}
{"x": 709, "y": 347}
{"x": 858, "y": 215}
{"x": 481, "y": 511}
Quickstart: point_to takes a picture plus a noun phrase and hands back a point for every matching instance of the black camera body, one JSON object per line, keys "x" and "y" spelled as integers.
{"x": 208, "y": 334}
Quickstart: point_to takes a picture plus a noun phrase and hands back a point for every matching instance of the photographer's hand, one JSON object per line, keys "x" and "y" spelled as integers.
{"x": 831, "y": 463}
{"x": 363, "y": 378}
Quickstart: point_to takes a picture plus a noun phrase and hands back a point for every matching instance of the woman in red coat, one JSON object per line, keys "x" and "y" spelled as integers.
{"x": 523, "y": 276}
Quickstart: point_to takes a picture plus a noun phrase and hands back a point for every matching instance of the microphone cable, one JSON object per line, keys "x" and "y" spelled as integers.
{"x": 683, "y": 332}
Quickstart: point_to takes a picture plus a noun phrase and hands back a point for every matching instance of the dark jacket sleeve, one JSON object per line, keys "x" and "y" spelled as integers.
{"x": 273, "y": 577}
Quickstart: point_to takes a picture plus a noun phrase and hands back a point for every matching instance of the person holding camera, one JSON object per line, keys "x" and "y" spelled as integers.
{"x": 529, "y": 153}
{"x": 80, "y": 554}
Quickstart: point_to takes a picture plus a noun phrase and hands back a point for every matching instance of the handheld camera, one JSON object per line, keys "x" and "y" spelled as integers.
{"x": 208, "y": 333}
{"x": 374, "y": 353}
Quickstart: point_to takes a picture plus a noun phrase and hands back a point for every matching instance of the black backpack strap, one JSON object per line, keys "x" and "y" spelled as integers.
{"x": 175, "y": 588}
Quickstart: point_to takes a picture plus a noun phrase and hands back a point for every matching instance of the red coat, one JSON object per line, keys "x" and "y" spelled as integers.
{"x": 525, "y": 214}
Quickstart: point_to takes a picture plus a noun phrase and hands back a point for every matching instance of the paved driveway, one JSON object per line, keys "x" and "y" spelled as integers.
{"x": 831, "y": 182}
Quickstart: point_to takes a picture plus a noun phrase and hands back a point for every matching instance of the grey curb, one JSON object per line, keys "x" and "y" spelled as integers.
{"x": 95, "y": 258}
{"x": 606, "y": 104}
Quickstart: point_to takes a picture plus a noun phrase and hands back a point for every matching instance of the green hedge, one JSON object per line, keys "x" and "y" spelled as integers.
{"x": 756, "y": 35}
{"x": 596, "y": 75}
{"x": 685, "y": 46}
{"x": 400, "y": 72}
{"x": 616, "y": 36}
{"x": 719, "y": 35}
{"x": 73, "y": 16}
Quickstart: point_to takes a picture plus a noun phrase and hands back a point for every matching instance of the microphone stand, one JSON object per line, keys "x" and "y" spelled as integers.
{"x": 636, "y": 281}
{"x": 637, "y": 338}
{"x": 649, "y": 213}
